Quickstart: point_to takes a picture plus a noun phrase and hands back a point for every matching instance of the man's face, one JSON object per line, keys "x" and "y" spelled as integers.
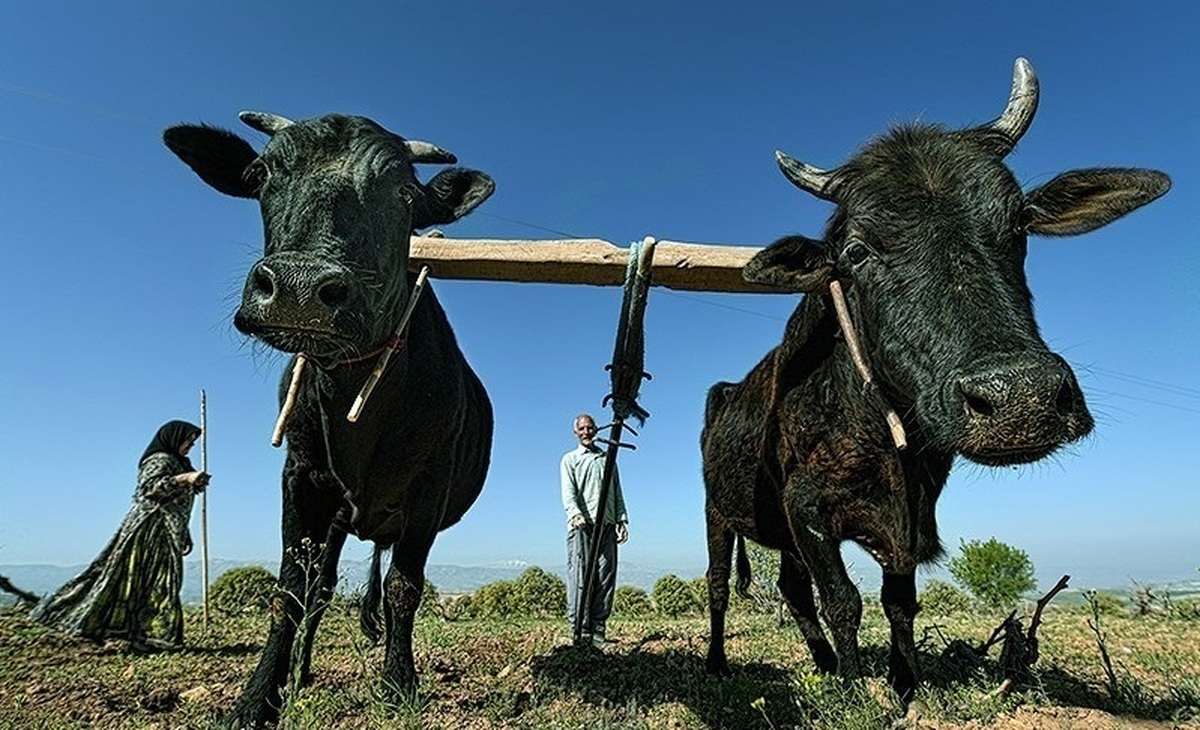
{"x": 585, "y": 431}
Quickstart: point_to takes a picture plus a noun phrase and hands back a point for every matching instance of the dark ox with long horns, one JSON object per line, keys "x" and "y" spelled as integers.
{"x": 340, "y": 200}
{"x": 929, "y": 241}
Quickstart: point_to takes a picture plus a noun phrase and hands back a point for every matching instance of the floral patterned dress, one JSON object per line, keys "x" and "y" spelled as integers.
{"x": 131, "y": 590}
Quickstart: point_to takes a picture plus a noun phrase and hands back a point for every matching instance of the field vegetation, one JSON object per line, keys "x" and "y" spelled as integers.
{"x": 486, "y": 662}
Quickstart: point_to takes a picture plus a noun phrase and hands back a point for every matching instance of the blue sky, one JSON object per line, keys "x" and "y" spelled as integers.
{"x": 611, "y": 120}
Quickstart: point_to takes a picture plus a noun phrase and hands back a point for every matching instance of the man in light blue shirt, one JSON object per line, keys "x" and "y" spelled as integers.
{"x": 582, "y": 475}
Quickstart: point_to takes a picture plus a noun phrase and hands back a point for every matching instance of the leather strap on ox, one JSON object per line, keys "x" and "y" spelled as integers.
{"x": 626, "y": 371}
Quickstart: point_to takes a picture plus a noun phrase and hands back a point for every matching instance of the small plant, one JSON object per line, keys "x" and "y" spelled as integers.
{"x": 995, "y": 573}
{"x": 764, "y": 572}
{"x": 939, "y": 598}
{"x": 1108, "y": 603}
{"x": 242, "y": 590}
{"x": 673, "y": 597}
{"x": 431, "y": 600}
{"x": 538, "y": 593}
{"x": 631, "y": 601}
{"x": 494, "y": 599}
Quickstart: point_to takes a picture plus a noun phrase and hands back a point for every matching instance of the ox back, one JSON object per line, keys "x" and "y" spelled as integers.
{"x": 928, "y": 239}
{"x": 340, "y": 200}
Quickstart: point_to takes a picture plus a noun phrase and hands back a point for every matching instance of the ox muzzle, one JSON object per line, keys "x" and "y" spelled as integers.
{"x": 1018, "y": 411}
{"x": 296, "y": 293}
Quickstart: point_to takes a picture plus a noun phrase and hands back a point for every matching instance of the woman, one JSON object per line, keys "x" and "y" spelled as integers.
{"x": 131, "y": 590}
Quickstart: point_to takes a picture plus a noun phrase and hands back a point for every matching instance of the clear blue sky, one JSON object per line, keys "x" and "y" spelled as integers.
{"x": 614, "y": 120}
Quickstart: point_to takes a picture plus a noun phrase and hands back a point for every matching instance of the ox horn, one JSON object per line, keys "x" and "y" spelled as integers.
{"x": 806, "y": 177}
{"x": 264, "y": 122}
{"x": 425, "y": 152}
{"x": 1022, "y": 103}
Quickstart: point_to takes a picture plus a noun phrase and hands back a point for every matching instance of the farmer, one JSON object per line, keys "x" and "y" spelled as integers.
{"x": 582, "y": 475}
{"x": 131, "y": 590}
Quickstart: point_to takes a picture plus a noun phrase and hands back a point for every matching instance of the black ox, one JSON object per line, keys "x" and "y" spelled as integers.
{"x": 929, "y": 241}
{"x": 339, "y": 202}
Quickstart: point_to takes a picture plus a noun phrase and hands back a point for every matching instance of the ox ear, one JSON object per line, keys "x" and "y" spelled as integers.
{"x": 218, "y": 156}
{"x": 1083, "y": 200}
{"x": 794, "y": 263}
{"x": 449, "y": 195}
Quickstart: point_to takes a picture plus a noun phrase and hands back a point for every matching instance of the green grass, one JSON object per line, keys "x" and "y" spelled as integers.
{"x": 520, "y": 673}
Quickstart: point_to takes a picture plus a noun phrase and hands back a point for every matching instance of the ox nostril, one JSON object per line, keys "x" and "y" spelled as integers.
{"x": 1065, "y": 403}
{"x": 978, "y": 405}
{"x": 262, "y": 283}
{"x": 333, "y": 293}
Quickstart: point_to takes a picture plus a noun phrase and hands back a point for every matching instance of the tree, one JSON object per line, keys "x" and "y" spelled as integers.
{"x": 242, "y": 590}
{"x": 631, "y": 601}
{"x": 538, "y": 593}
{"x": 674, "y": 597}
{"x": 994, "y": 573}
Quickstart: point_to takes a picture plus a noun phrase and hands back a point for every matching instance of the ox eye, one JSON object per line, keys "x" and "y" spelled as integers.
{"x": 856, "y": 253}
{"x": 256, "y": 174}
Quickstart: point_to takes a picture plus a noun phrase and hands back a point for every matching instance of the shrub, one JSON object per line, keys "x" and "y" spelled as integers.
{"x": 995, "y": 573}
{"x": 493, "y": 599}
{"x": 242, "y": 590}
{"x": 431, "y": 600}
{"x": 939, "y": 598}
{"x": 1108, "y": 603}
{"x": 538, "y": 593}
{"x": 699, "y": 588}
{"x": 674, "y": 597}
{"x": 764, "y": 572}
{"x": 631, "y": 601}
{"x": 456, "y": 607}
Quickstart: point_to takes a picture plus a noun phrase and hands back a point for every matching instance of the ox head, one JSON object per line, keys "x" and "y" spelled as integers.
{"x": 339, "y": 199}
{"x": 929, "y": 239}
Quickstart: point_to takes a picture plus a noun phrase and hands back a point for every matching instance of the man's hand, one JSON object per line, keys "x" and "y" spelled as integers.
{"x": 577, "y": 520}
{"x": 622, "y": 532}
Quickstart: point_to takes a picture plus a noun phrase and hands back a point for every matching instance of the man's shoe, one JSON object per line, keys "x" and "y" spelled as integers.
{"x": 601, "y": 641}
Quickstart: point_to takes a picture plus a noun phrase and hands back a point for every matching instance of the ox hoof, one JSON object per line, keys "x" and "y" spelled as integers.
{"x": 245, "y": 717}
{"x": 717, "y": 667}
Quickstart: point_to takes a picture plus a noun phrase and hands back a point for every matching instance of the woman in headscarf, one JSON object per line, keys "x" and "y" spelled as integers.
{"x": 131, "y": 590}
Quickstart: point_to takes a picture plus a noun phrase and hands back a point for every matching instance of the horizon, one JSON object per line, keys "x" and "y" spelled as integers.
{"x": 611, "y": 122}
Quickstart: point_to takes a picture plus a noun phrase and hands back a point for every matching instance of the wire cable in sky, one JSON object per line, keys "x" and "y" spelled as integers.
{"x": 63, "y": 101}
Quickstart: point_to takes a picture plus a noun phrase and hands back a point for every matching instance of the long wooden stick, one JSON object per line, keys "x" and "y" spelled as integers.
{"x": 680, "y": 266}
{"x": 373, "y": 378}
{"x": 288, "y": 402}
{"x": 204, "y": 505}
{"x": 843, "y": 314}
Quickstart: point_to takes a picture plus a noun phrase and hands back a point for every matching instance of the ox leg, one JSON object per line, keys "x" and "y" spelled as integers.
{"x": 899, "y": 599}
{"x": 720, "y": 551}
{"x": 841, "y": 604}
{"x": 318, "y": 597}
{"x": 795, "y": 584}
{"x": 306, "y": 514}
{"x": 402, "y": 589}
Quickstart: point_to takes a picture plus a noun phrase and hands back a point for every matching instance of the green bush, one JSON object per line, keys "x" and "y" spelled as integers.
{"x": 538, "y": 593}
{"x": 673, "y": 597}
{"x": 431, "y": 600}
{"x": 631, "y": 601}
{"x": 939, "y": 598}
{"x": 1107, "y": 603}
{"x": 457, "y": 607}
{"x": 699, "y": 588}
{"x": 764, "y": 573}
{"x": 242, "y": 590}
{"x": 494, "y": 599}
{"x": 995, "y": 573}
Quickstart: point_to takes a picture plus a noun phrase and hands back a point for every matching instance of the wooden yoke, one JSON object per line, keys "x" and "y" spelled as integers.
{"x": 680, "y": 266}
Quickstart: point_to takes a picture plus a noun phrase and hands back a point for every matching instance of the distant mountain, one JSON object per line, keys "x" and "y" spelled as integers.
{"x": 43, "y": 579}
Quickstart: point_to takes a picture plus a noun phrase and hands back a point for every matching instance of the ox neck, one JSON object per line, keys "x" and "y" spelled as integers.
{"x": 395, "y": 343}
